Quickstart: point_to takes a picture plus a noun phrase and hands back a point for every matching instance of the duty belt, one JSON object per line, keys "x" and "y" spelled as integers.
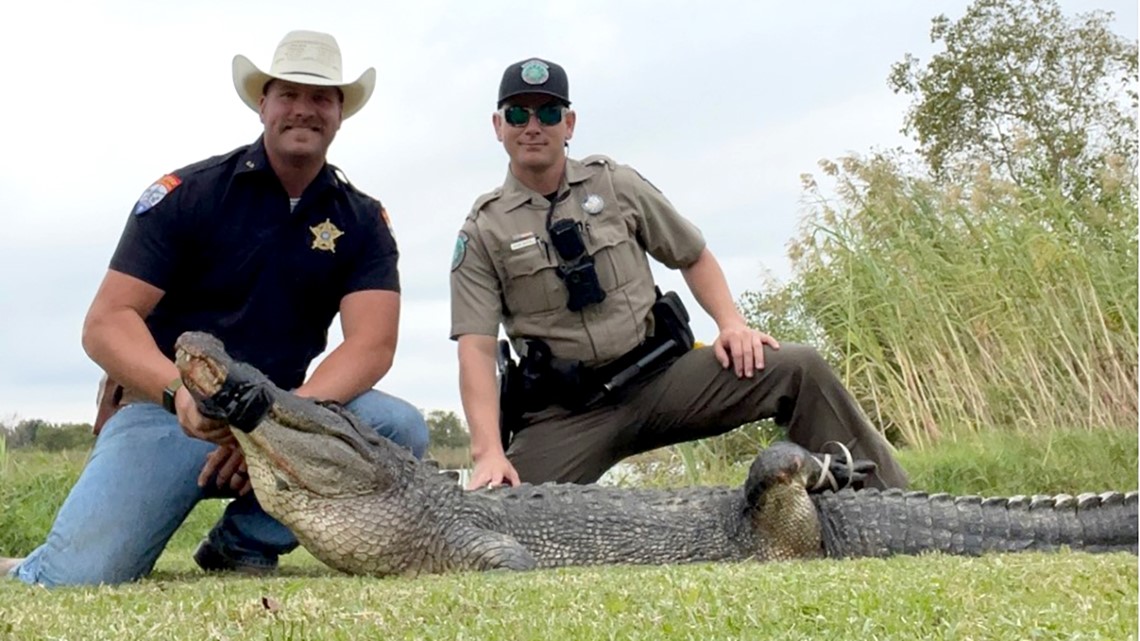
{"x": 540, "y": 379}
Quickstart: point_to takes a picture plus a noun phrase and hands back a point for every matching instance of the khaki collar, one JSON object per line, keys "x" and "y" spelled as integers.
{"x": 516, "y": 194}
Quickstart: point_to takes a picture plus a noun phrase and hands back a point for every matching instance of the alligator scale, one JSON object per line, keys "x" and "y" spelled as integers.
{"x": 363, "y": 505}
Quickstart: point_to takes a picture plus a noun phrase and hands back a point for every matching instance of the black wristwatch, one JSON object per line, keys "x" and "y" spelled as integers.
{"x": 168, "y": 393}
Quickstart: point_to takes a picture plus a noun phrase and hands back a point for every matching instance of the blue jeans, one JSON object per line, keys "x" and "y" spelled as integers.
{"x": 140, "y": 483}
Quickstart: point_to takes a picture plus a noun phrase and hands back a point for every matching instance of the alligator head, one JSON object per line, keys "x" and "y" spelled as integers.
{"x": 290, "y": 444}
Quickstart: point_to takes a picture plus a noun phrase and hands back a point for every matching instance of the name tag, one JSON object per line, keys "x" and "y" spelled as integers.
{"x": 524, "y": 242}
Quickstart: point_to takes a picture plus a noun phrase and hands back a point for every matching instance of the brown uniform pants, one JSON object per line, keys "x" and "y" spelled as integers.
{"x": 693, "y": 399}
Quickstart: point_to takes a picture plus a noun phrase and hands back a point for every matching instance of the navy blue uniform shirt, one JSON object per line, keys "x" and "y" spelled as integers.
{"x": 235, "y": 262}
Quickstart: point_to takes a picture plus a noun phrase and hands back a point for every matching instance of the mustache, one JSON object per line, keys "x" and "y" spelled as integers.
{"x": 302, "y": 123}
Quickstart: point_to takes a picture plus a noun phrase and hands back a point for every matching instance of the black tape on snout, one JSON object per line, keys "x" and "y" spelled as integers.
{"x": 242, "y": 400}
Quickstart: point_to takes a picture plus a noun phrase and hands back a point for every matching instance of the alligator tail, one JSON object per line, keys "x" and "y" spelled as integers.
{"x": 884, "y": 523}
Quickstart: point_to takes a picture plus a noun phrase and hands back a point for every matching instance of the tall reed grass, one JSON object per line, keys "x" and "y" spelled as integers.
{"x": 967, "y": 307}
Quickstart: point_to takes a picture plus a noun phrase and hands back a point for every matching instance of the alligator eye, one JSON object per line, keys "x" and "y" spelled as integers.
{"x": 281, "y": 484}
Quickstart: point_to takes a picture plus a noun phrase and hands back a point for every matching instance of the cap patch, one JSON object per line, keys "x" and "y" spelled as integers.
{"x": 535, "y": 72}
{"x": 154, "y": 194}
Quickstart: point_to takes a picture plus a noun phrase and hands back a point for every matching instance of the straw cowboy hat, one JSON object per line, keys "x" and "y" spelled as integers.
{"x": 307, "y": 58}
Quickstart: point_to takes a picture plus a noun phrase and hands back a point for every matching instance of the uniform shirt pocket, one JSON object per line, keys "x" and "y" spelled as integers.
{"x": 532, "y": 285}
{"x": 617, "y": 256}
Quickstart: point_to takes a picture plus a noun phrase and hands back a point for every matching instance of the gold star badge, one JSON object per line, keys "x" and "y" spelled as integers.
{"x": 325, "y": 235}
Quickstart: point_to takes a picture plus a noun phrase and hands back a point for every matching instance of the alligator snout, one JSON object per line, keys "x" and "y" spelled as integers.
{"x": 201, "y": 361}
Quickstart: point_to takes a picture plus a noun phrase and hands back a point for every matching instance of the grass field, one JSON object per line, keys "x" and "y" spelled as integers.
{"x": 1066, "y": 596}
{"x": 1060, "y": 596}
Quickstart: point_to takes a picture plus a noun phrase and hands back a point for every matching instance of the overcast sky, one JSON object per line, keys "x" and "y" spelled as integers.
{"x": 722, "y": 105}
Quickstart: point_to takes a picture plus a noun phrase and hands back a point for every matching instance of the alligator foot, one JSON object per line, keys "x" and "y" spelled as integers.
{"x": 484, "y": 549}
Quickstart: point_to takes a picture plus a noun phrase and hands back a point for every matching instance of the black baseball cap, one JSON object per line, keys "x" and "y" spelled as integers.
{"x": 535, "y": 75}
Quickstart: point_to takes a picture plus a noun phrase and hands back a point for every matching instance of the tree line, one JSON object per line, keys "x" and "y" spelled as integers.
{"x": 445, "y": 431}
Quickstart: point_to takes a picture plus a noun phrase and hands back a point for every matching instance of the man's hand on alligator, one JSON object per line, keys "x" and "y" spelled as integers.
{"x": 195, "y": 425}
{"x": 226, "y": 467}
{"x": 364, "y": 505}
{"x": 493, "y": 471}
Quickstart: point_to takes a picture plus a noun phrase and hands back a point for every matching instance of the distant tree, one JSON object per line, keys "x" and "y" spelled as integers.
{"x": 1019, "y": 87}
{"x": 66, "y": 436}
{"x": 39, "y": 434}
{"x": 446, "y": 429}
{"x": 24, "y": 433}
{"x": 777, "y": 309}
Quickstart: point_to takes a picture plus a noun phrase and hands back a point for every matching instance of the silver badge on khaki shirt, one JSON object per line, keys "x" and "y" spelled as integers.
{"x": 593, "y": 204}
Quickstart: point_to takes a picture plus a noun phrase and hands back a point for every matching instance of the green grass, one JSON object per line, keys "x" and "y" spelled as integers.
{"x": 1005, "y": 464}
{"x": 450, "y": 457}
{"x": 1031, "y": 596}
{"x": 1064, "y": 596}
{"x": 989, "y": 464}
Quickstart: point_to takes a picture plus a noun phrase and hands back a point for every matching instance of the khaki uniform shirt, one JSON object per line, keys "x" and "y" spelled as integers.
{"x": 505, "y": 269}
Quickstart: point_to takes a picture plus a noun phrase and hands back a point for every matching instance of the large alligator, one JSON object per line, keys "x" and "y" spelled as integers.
{"x": 363, "y": 505}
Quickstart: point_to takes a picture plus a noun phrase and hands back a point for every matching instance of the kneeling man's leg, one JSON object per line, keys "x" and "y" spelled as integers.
{"x": 139, "y": 484}
{"x": 696, "y": 398}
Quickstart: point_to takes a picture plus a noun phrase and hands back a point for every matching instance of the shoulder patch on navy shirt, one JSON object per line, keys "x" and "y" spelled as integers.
{"x": 460, "y": 251}
{"x": 154, "y": 194}
{"x": 387, "y": 220}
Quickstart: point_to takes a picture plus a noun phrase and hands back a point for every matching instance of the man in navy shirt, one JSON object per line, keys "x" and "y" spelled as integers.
{"x": 261, "y": 247}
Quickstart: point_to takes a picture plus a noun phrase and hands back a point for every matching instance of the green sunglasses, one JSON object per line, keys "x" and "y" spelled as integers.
{"x": 548, "y": 115}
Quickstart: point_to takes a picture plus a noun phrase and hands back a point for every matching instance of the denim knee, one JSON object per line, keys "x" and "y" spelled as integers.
{"x": 414, "y": 428}
{"x": 137, "y": 487}
{"x": 393, "y": 418}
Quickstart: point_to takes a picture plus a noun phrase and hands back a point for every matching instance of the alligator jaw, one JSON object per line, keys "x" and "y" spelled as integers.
{"x": 224, "y": 389}
{"x": 203, "y": 372}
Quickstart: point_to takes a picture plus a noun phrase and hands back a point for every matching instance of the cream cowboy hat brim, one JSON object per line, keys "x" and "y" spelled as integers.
{"x": 306, "y": 58}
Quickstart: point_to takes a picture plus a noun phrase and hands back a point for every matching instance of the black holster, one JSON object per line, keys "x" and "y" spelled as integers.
{"x": 536, "y": 382}
{"x": 541, "y": 379}
{"x": 509, "y": 414}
